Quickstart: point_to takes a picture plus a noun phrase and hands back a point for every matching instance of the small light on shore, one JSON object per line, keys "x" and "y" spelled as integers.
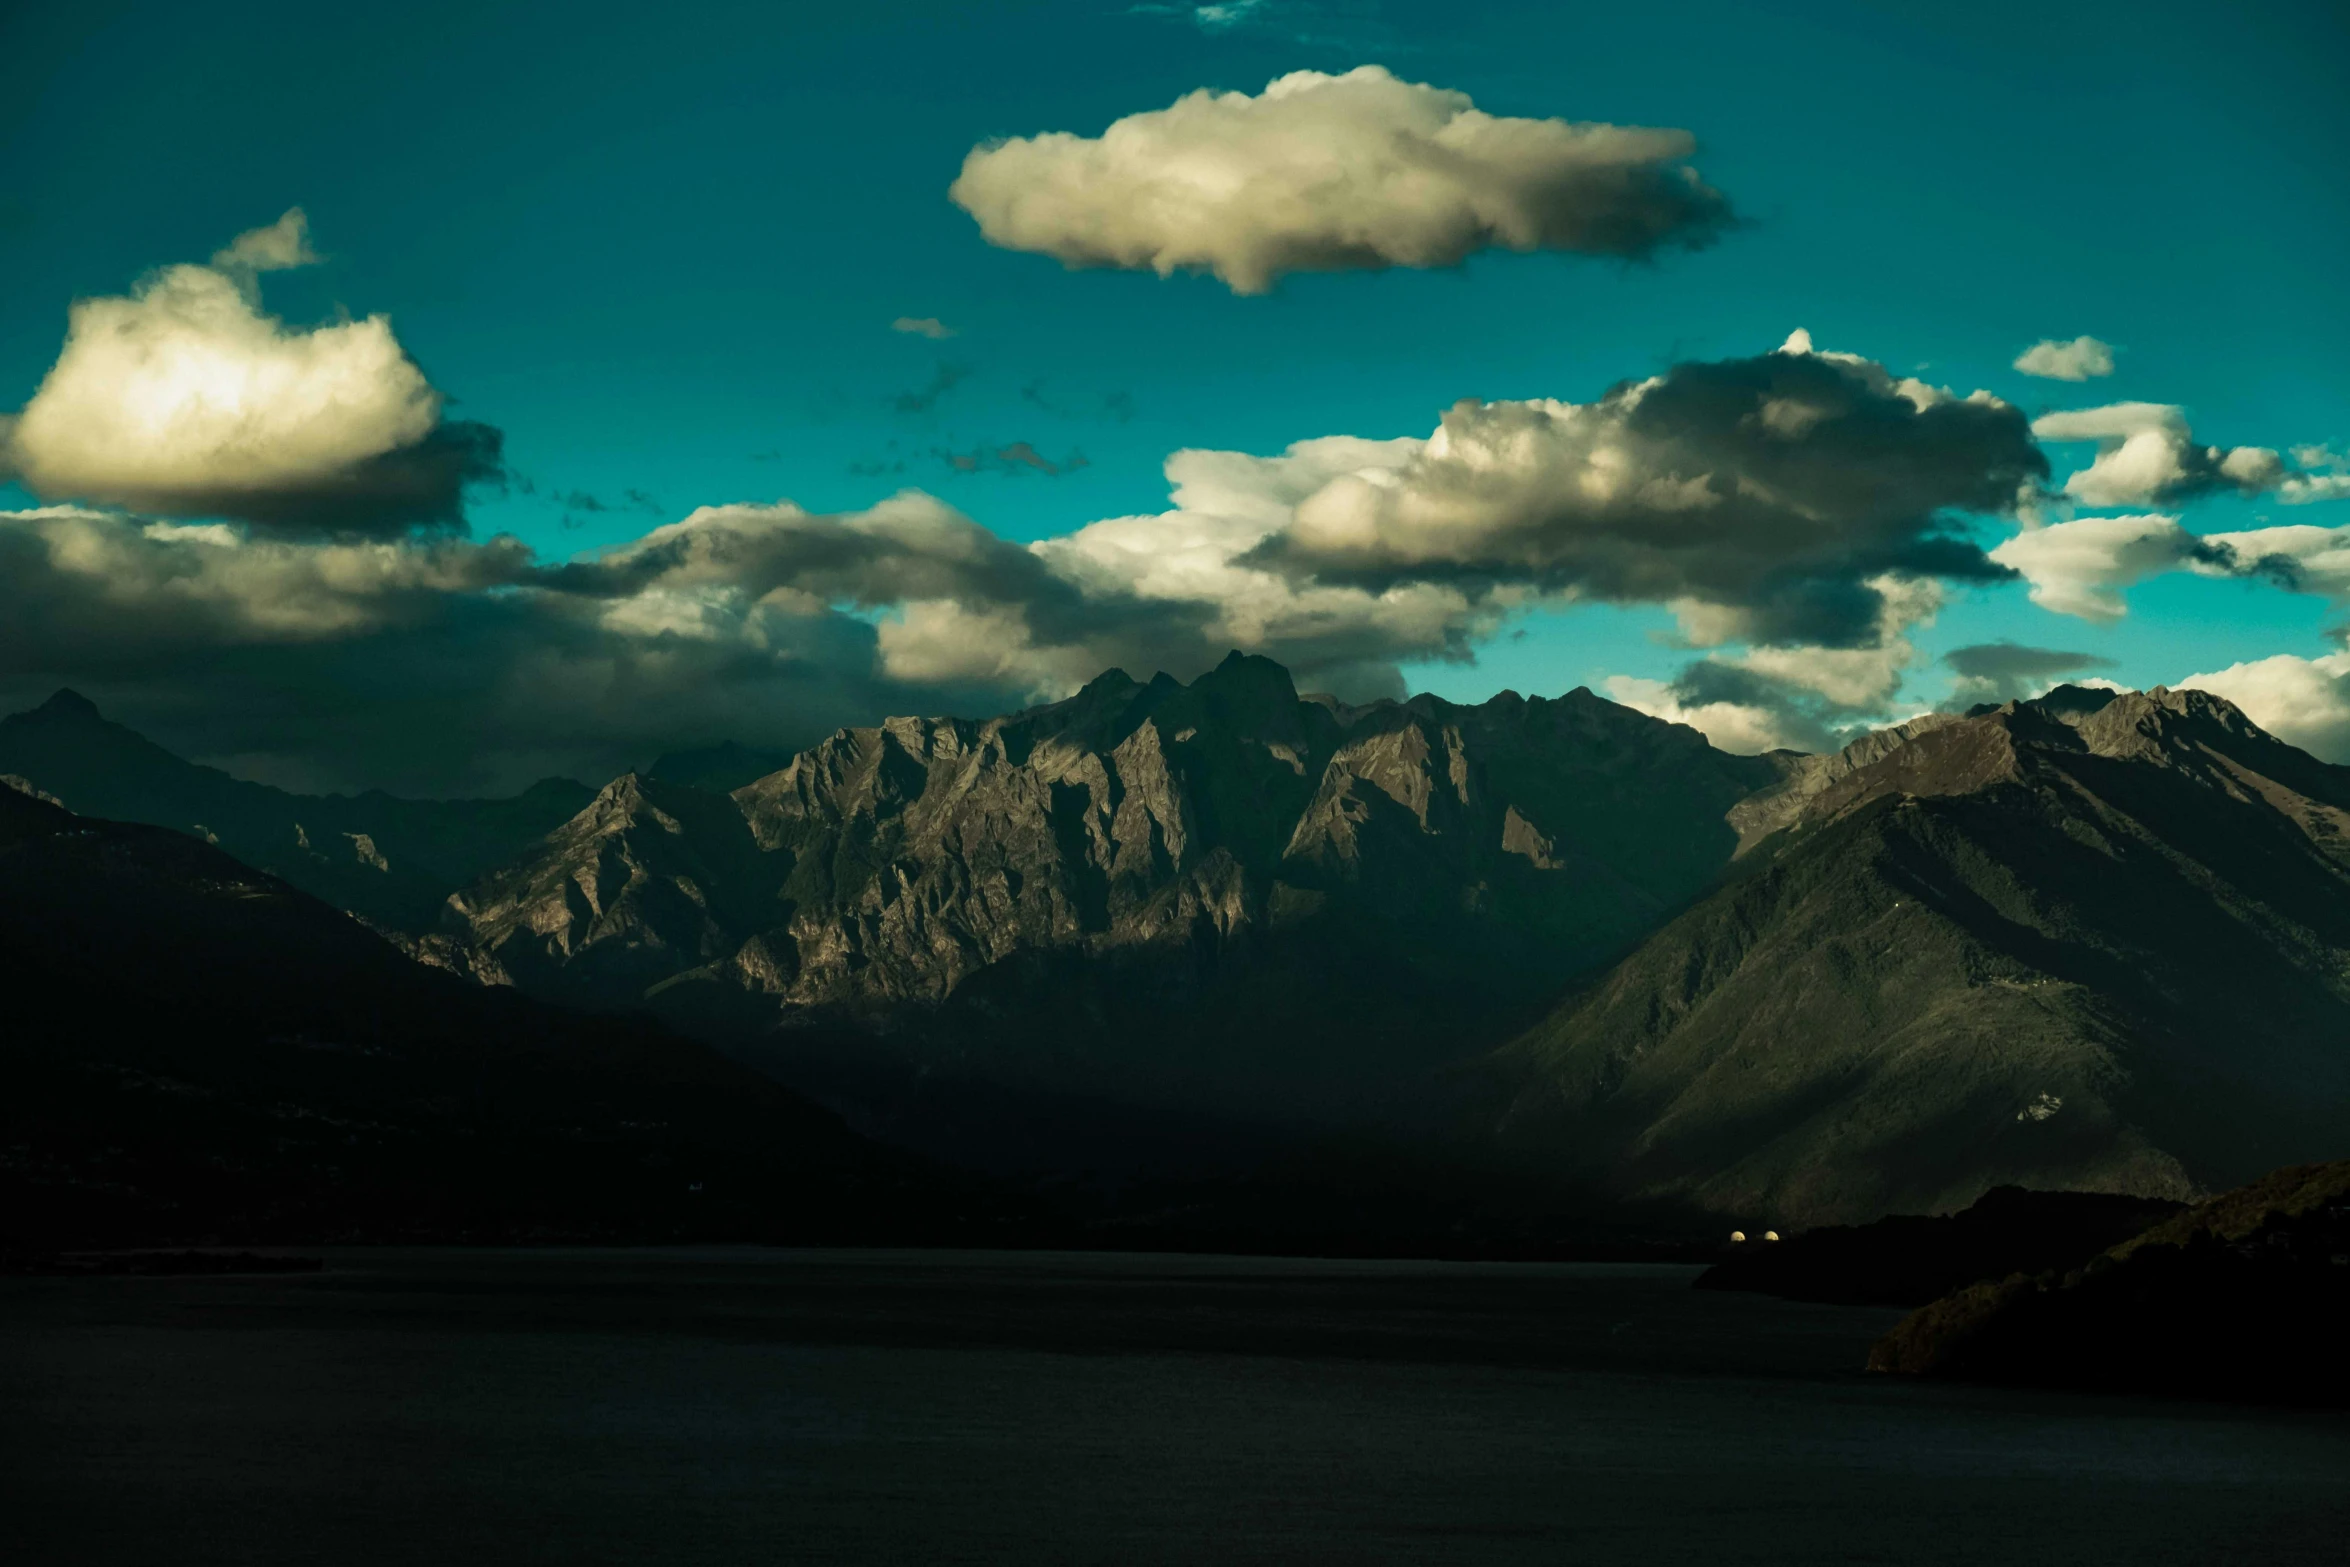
{"x": 1770, "y": 1235}
{"x": 1737, "y": 1237}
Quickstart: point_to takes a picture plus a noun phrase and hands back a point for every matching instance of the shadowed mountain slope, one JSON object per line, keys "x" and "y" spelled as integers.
{"x": 2240, "y": 1297}
{"x": 391, "y": 860}
{"x": 198, "y": 1051}
{"x": 2094, "y": 941}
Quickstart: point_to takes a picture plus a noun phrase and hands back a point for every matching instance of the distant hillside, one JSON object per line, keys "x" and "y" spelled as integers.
{"x": 2241, "y": 1297}
{"x": 2095, "y": 941}
{"x": 394, "y": 861}
{"x": 1220, "y": 894}
{"x": 198, "y": 1051}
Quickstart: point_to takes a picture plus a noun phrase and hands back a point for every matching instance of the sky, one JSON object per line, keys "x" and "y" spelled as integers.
{"x": 437, "y": 396}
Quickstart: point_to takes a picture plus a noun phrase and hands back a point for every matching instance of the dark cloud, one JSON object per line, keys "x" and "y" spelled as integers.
{"x": 419, "y": 488}
{"x": 2147, "y": 456}
{"x": 582, "y": 500}
{"x": 943, "y": 380}
{"x": 1768, "y": 491}
{"x": 440, "y": 665}
{"x": 448, "y": 666}
{"x": 1033, "y": 394}
{"x": 1794, "y": 717}
{"x": 1019, "y": 457}
{"x": 1115, "y": 406}
{"x": 1998, "y": 672}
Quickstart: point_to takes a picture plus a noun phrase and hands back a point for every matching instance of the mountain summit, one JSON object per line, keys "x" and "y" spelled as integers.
{"x": 2095, "y": 940}
{"x": 1216, "y": 892}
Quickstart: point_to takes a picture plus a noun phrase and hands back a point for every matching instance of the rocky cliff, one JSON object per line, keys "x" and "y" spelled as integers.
{"x": 1148, "y": 878}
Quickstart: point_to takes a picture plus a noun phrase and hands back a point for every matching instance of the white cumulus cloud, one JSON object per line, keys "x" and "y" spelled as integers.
{"x": 183, "y": 398}
{"x": 1322, "y": 173}
{"x": 2082, "y": 359}
{"x": 2302, "y": 700}
{"x": 2080, "y": 567}
{"x": 2148, "y": 456}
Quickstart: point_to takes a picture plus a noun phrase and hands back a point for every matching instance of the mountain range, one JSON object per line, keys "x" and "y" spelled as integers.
{"x": 389, "y": 860}
{"x": 2096, "y": 940}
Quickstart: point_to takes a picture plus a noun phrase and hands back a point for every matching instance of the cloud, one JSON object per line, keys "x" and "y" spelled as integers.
{"x": 1019, "y": 457}
{"x": 1795, "y": 698}
{"x": 1022, "y": 455}
{"x": 1997, "y": 672}
{"x": 2324, "y": 475}
{"x": 2147, "y": 456}
{"x": 2302, "y": 700}
{"x": 943, "y": 380}
{"x": 1325, "y": 173}
{"x": 2082, "y": 359}
{"x": 437, "y": 663}
{"x": 1118, "y": 405}
{"x": 441, "y": 664}
{"x": 2081, "y": 567}
{"x": 1759, "y": 496}
{"x": 2301, "y": 558}
{"x": 183, "y": 399}
{"x": 277, "y": 247}
{"x": 923, "y": 326}
{"x": 1339, "y": 24}
{"x": 1734, "y": 720}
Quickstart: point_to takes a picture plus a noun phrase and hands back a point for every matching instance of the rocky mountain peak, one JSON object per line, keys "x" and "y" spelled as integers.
{"x": 2197, "y": 732}
{"x": 1158, "y": 828}
{"x": 2094, "y": 939}
{"x": 69, "y": 706}
{"x": 2145, "y": 722}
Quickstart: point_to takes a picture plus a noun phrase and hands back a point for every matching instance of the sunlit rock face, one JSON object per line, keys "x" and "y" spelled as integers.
{"x": 1224, "y": 850}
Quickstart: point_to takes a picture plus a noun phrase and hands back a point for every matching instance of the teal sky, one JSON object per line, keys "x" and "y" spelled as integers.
{"x": 661, "y": 249}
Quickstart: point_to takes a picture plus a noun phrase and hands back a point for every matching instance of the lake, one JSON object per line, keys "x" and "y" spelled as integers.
{"x": 755, "y": 1406}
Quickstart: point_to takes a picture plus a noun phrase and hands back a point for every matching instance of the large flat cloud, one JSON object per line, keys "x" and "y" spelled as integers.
{"x": 1762, "y": 496}
{"x": 443, "y": 664}
{"x": 1324, "y": 173}
{"x": 1996, "y": 672}
{"x": 184, "y": 398}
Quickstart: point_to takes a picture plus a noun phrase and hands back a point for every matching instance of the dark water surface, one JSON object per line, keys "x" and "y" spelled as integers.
{"x": 747, "y": 1406}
